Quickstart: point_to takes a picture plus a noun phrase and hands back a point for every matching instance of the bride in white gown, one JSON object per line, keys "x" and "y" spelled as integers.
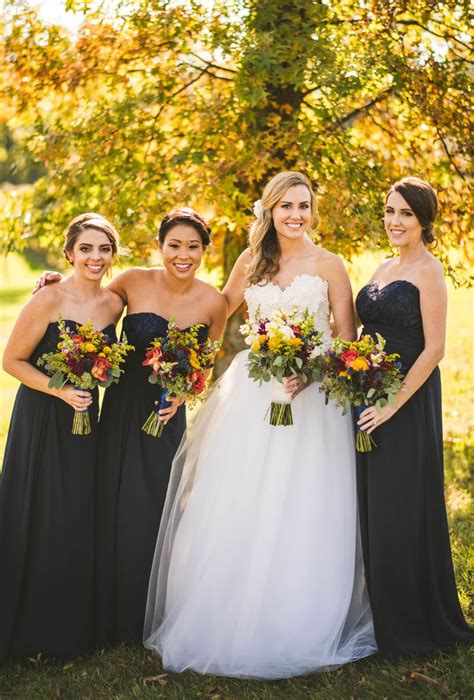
{"x": 258, "y": 570}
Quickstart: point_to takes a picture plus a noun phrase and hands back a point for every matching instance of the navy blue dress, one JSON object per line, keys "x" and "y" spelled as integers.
{"x": 47, "y": 497}
{"x": 403, "y": 519}
{"x": 133, "y": 474}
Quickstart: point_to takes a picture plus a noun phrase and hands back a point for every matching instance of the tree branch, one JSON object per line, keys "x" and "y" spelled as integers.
{"x": 212, "y": 65}
{"x": 415, "y": 23}
{"x": 448, "y": 153}
{"x": 207, "y": 72}
{"x": 346, "y": 121}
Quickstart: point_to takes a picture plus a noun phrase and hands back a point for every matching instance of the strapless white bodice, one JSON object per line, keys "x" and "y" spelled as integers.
{"x": 305, "y": 291}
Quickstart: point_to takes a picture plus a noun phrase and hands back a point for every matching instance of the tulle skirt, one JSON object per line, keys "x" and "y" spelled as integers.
{"x": 258, "y": 569}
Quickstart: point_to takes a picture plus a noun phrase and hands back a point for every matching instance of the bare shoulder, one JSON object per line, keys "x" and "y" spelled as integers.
{"x": 243, "y": 260}
{"x": 47, "y": 300}
{"x": 330, "y": 264}
{"x": 212, "y": 295}
{"x": 113, "y": 300}
{"x": 131, "y": 274}
{"x": 431, "y": 275}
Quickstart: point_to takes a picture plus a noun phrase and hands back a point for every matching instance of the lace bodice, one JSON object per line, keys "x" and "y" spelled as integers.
{"x": 395, "y": 304}
{"x": 305, "y": 291}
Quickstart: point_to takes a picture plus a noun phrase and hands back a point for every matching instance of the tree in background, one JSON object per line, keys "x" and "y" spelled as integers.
{"x": 199, "y": 103}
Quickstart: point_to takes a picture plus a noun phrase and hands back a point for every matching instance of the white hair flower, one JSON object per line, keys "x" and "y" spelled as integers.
{"x": 258, "y": 208}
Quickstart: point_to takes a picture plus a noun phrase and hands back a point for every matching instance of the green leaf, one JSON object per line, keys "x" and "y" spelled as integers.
{"x": 153, "y": 379}
{"x": 392, "y": 400}
{"x": 370, "y": 393}
{"x": 299, "y": 362}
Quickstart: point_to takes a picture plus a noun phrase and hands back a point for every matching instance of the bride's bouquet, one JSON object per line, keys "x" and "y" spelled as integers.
{"x": 178, "y": 363}
{"x": 280, "y": 346}
{"x": 85, "y": 358}
{"x": 361, "y": 374}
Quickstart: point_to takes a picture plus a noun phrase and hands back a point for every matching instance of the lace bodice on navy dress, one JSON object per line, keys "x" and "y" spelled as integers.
{"x": 394, "y": 312}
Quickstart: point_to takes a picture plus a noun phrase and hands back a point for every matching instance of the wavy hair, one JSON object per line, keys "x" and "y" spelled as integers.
{"x": 263, "y": 240}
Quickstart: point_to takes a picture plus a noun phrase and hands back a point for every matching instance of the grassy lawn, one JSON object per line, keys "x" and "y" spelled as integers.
{"x": 131, "y": 672}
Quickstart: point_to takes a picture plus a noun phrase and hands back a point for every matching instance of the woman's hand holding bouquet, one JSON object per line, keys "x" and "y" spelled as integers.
{"x": 179, "y": 364}
{"x": 362, "y": 374}
{"x": 282, "y": 346}
{"x": 85, "y": 359}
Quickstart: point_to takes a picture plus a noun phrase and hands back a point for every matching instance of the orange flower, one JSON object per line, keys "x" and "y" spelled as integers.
{"x": 360, "y": 363}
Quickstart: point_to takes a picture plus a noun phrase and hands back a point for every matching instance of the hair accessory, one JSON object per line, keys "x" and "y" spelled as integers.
{"x": 258, "y": 208}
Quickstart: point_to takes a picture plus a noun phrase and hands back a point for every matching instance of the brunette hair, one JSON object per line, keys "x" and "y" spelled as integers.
{"x": 422, "y": 199}
{"x": 90, "y": 220}
{"x": 263, "y": 241}
{"x": 186, "y": 217}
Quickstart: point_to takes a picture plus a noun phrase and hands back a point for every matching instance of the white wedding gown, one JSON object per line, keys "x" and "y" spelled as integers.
{"x": 258, "y": 570}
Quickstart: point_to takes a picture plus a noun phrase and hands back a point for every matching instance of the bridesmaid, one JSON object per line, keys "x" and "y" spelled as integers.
{"x": 400, "y": 483}
{"x": 47, "y": 482}
{"x": 133, "y": 467}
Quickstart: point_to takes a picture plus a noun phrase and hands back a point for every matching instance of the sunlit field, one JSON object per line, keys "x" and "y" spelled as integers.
{"x": 130, "y": 672}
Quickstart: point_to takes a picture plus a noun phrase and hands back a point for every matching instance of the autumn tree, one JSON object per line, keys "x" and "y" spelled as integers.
{"x": 165, "y": 103}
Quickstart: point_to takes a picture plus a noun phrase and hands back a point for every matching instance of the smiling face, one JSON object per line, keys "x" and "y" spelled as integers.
{"x": 182, "y": 251}
{"x": 401, "y": 224}
{"x": 91, "y": 254}
{"x": 292, "y": 214}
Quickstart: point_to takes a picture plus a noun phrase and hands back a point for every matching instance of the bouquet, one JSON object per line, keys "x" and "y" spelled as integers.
{"x": 280, "y": 346}
{"x": 87, "y": 359}
{"x": 361, "y": 373}
{"x": 178, "y": 362}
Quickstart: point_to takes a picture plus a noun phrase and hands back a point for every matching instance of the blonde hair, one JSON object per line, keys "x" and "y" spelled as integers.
{"x": 263, "y": 241}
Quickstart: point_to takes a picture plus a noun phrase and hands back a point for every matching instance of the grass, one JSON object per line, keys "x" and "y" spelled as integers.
{"x": 132, "y": 672}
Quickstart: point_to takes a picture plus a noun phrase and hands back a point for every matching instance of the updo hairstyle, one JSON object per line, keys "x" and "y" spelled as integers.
{"x": 422, "y": 199}
{"x": 186, "y": 217}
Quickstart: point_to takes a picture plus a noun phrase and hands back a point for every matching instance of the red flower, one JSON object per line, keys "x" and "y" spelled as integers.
{"x": 348, "y": 356}
{"x": 198, "y": 382}
{"x": 76, "y": 366}
{"x": 153, "y": 359}
{"x": 99, "y": 369}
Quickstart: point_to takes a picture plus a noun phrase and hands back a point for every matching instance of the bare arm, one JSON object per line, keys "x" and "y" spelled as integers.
{"x": 218, "y": 317}
{"x": 121, "y": 283}
{"x": 433, "y": 303}
{"x": 340, "y": 299}
{"x": 28, "y": 330}
{"x": 235, "y": 285}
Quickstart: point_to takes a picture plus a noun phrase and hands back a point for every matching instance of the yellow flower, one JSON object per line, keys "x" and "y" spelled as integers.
{"x": 360, "y": 363}
{"x": 89, "y": 347}
{"x": 101, "y": 354}
{"x": 343, "y": 374}
{"x": 295, "y": 341}
{"x": 107, "y": 350}
{"x": 273, "y": 343}
{"x": 60, "y": 346}
{"x": 193, "y": 359}
{"x": 262, "y": 338}
{"x": 255, "y": 347}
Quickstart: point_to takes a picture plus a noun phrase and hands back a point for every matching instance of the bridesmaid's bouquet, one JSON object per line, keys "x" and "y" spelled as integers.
{"x": 87, "y": 359}
{"x": 178, "y": 364}
{"x": 361, "y": 374}
{"x": 280, "y": 346}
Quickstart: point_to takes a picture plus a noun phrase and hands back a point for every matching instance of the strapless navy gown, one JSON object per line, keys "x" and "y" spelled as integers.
{"x": 133, "y": 475}
{"x": 401, "y": 496}
{"x": 47, "y": 525}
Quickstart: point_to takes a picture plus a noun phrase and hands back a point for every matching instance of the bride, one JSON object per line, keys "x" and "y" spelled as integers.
{"x": 258, "y": 570}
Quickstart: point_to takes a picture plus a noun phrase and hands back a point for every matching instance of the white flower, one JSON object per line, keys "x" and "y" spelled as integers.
{"x": 251, "y": 339}
{"x": 258, "y": 208}
{"x": 316, "y": 352}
